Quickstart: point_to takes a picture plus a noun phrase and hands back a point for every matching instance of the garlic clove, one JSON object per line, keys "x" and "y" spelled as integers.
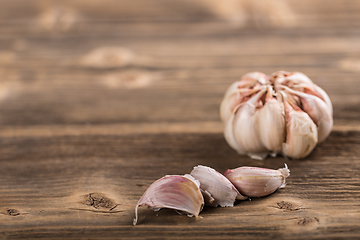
{"x": 325, "y": 97}
{"x": 181, "y": 193}
{"x": 235, "y": 94}
{"x": 290, "y": 78}
{"x": 315, "y": 90}
{"x": 257, "y": 182}
{"x": 231, "y": 97}
{"x": 233, "y": 100}
{"x": 259, "y": 77}
{"x": 229, "y": 135}
{"x": 301, "y": 131}
{"x": 222, "y": 191}
{"x": 229, "y": 125}
{"x": 298, "y": 80}
{"x": 298, "y": 77}
{"x": 272, "y": 130}
{"x": 245, "y": 129}
{"x": 318, "y": 111}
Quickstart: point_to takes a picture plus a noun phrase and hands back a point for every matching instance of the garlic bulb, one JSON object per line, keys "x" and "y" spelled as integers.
{"x": 285, "y": 113}
{"x": 181, "y": 193}
{"x": 217, "y": 189}
{"x": 257, "y": 182}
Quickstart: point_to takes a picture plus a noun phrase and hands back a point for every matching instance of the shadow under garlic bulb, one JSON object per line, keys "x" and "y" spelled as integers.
{"x": 285, "y": 113}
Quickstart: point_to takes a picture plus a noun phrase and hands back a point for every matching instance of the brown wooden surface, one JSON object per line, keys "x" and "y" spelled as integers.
{"x": 98, "y": 99}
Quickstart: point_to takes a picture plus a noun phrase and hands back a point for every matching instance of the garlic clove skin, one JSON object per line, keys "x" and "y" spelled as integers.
{"x": 245, "y": 127}
{"x": 285, "y": 173}
{"x": 234, "y": 95}
{"x": 230, "y": 137}
{"x": 302, "y": 135}
{"x": 325, "y": 97}
{"x": 257, "y": 182}
{"x": 290, "y": 78}
{"x": 316, "y": 91}
{"x": 259, "y": 77}
{"x": 232, "y": 101}
{"x": 248, "y": 108}
{"x": 181, "y": 193}
{"x": 208, "y": 199}
{"x": 318, "y": 111}
{"x": 272, "y": 131}
{"x": 232, "y": 98}
{"x": 222, "y": 191}
{"x": 298, "y": 77}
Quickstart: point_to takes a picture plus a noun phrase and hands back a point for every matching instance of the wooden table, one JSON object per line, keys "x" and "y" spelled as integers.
{"x": 98, "y": 99}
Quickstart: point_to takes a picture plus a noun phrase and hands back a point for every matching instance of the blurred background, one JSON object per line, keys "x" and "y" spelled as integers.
{"x": 118, "y": 61}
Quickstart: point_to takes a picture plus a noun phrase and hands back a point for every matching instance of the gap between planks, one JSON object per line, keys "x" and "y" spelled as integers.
{"x": 129, "y": 128}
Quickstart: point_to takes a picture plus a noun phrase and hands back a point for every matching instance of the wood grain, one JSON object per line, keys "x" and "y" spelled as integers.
{"x": 98, "y": 99}
{"x": 47, "y": 180}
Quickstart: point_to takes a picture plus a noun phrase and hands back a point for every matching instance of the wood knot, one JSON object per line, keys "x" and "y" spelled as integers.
{"x": 288, "y": 206}
{"x": 308, "y": 220}
{"x": 350, "y": 64}
{"x": 57, "y": 19}
{"x": 7, "y": 57}
{"x": 12, "y": 212}
{"x": 98, "y": 201}
{"x": 108, "y": 57}
{"x": 128, "y": 79}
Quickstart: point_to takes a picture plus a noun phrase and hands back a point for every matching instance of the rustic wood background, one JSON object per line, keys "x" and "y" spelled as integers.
{"x": 98, "y": 99}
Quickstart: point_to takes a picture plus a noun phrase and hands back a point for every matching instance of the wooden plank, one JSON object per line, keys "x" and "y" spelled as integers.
{"x": 46, "y": 181}
{"x": 308, "y": 13}
{"x": 47, "y": 84}
{"x": 98, "y": 99}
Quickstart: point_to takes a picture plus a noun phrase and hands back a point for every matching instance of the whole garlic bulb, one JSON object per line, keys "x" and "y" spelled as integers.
{"x": 285, "y": 113}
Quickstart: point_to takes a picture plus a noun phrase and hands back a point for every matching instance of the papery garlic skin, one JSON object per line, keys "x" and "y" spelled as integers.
{"x": 313, "y": 100}
{"x": 257, "y": 124}
{"x": 257, "y": 182}
{"x": 245, "y": 125}
{"x": 273, "y": 111}
{"x": 176, "y": 192}
{"x": 222, "y": 192}
{"x": 318, "y": 111}
{"x": 302, "y": 134}
{"x": 240, "y": 90}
